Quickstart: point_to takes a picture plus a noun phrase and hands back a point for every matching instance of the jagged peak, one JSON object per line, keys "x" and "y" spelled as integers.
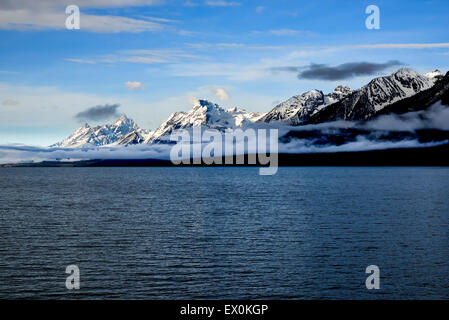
{"x": 85, "y": 127}
{"x": 236, "y": 110}
{"x": 206, "y": 106}
{"x": 434, "y": 74}
{"x": 401, "y": 74}
{"x": 313, "y": 92}
{"x": 405, "y": 72}
{"x": 342, "y": 89}
{"x": 123, "y": 119}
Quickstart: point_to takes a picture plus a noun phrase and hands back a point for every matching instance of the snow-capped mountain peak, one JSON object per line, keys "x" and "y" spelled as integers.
{"x": 341, "y": 90}
{"x": 207, "y": 114}
{"x": 339, "y": 93}
{"x": 124, "y": 125}
{"x": 307, "y": 108}
{"x": 373, "y": 97}
{"x": 300, "y": 108}
{"x": 243, "y": 117}
{"x": 123, "y": 120}
{"x": 406, "y": 73}
{"x": 100, "y": 135}
{"x": 401, "y": 84}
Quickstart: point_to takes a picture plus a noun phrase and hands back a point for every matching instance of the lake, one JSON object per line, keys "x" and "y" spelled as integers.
{"x": 224, "y": 233}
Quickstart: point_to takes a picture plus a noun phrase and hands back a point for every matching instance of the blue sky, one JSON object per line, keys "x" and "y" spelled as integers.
{"x": 174, "y": 51}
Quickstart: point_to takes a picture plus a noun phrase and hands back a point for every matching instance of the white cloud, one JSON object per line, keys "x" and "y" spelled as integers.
{"x": 219, "y": 93}
{"x": 26, "y": 19}
{"x": 144, "y": 56}
{"x": 193, "y": 101}
{"x": 137, "y": 59}
{"x": 50, "y": 14}
{"x": 189, "y": 3}
{"x": 134, "y": 85}
{"x": 159, "y": 19}
{"x": 222, "y": 94}
{"x": 285, "y": 32}
{"x": 167, "y": 54}
{"x": 45, "y": 4}
{"x": 402, "y": 45}
{"x": 81, "y": 61}
{"x": 115, "y": 24}
{"x": 221, "y": 3}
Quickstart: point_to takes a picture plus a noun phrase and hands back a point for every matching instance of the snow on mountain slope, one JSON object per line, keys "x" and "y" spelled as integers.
{"x": 434, "y": 74}
{"x": 299, "y": 108}
{"x": 134, "y": 137}
{"x": 99, "y": 135}
{"x": 310, "y": 107}
{"x": 373, "y": 97}
{"x": 207, "y": 114}
{"x": 242, "y": 117}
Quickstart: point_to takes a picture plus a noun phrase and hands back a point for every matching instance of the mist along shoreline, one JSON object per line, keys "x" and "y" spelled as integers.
{"x": 430, "y": 156}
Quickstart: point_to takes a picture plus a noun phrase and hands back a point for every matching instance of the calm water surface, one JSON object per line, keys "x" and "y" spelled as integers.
{"x": 222, "y": 233}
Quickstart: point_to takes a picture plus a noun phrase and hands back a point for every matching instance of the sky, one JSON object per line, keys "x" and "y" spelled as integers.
{"x": 150, "y": 58}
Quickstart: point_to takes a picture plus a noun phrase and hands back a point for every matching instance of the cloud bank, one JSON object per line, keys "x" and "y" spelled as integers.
{"x": 341, "y": 72}
{"x": 345, "y": 71}
{"x": 99, "y": 112}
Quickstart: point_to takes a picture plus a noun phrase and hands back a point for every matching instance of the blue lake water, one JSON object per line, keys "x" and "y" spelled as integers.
{"x": 224, "y": 233}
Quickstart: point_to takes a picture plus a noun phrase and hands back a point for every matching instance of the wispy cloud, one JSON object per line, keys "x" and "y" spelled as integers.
{"x": 139, "y": 59}
{"x": 402, "y": 45}
{"x": 222, "y": 3}
{"x": 81, "y": 61}
{"x": 50, "y": 14}
{"x": 233, "y": 45}
{"x": 145, "y": 56}
{"x": 285, "y": 32}
{"x": 26, "y": 19}
{"x": 189, "y": 3}
{"x": 45, "y": 4}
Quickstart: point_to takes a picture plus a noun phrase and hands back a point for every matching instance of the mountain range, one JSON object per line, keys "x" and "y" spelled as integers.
{"x": 403, "y": 91}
